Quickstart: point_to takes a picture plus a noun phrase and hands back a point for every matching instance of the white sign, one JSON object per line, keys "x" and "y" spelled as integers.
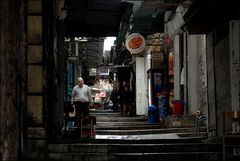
{"x": 135, "y": 43}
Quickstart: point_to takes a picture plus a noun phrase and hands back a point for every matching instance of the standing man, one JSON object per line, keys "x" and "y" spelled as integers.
{"x": 81, "y": 98}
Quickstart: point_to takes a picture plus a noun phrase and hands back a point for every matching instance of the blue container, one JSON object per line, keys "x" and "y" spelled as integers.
{"x": 152, "y": 119}
{"x": 162, "y": 101}
{"x": 152, "y": 114}
{"x": 163, "y": 106}
{"x": 163, "y": 112}
{"x": 152, "y": 108}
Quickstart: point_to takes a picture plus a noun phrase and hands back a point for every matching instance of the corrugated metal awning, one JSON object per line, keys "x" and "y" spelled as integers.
{"x": 203, "y": 16}
{"x": 94, "y": 18}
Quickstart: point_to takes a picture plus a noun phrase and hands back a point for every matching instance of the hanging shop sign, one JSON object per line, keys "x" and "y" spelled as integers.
{"x": 135, "y": 43}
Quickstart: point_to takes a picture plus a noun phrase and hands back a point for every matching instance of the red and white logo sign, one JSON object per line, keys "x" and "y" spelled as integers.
{"x": 135, "y": 43}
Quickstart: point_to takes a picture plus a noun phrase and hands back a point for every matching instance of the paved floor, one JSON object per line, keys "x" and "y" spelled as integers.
{"x": 139, "y": 137}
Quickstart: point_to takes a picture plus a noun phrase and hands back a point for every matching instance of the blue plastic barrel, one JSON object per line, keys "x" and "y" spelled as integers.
{"x": 152, "y": 114}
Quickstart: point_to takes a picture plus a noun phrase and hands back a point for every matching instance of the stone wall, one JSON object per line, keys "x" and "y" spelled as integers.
{"x": 222, "y": 80}
{"x": 12, "y": 76}
{"x": 219, "y": 85}
{"x": 34, "y": 142}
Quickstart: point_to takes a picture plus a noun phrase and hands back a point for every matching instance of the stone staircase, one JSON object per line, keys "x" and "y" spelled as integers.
{"x": 134, "y": 151}
{"x": 115, "y": 124}
{"x": 133, "y": 138}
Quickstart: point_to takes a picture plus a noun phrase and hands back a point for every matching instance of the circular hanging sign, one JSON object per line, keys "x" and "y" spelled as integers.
{"x": 135, "y": 43}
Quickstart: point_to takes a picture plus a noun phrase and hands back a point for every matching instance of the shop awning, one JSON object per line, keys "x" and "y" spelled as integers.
{"x": 94, "y": 18}
{"x": 149, "y": 18}
{"x": 203, "y": 16}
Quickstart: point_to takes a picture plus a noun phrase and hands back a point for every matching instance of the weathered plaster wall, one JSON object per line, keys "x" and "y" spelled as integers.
{"x": 192, "y": 74}
{"x": 202, "y": 61}
{"x": 196, "y": 74}
{"x": 177, "y": 68}
{"x": 12, "y": 76}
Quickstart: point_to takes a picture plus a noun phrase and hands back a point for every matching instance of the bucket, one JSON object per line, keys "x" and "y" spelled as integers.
{"x": 178, "y": 107}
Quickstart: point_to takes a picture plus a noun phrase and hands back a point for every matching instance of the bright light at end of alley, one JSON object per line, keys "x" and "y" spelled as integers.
{"x": 108, "y": 43}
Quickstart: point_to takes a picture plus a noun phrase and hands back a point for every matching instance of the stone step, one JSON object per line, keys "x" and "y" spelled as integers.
{"x": 132, "y": 148}
{"x": 129, "y": 139}
{"x": 111, "y": 152}
{"x": 77, "y": 156}
{"x": 157, "y": 148}
{"x": 99, "y": 111}
{"x": 173, "y": 156}
{"x": 203, "y": 135}
{"x": 120, "y": 119}
{"x": 187, "y": 156}
{"x": 141, "y": 140}
{"x": 123, "y": 123}
{"x": 102, "y": 126}
{"x": 147, "y": 131}
{"x": 137, "y": 125}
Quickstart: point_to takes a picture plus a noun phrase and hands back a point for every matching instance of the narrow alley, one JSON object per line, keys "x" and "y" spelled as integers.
{"x": 111, "y": 80}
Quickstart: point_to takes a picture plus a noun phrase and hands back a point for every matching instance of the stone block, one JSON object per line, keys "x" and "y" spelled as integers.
{"x": 35, "y": 107}
{"x": 36, "y": 132}
{"x": 34, "y": 6}
{"x": 34, "y": 29}
{"x": 35, "y": 79}
{"x": 34, "y": 149}
{"x": 35, "y": 54}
